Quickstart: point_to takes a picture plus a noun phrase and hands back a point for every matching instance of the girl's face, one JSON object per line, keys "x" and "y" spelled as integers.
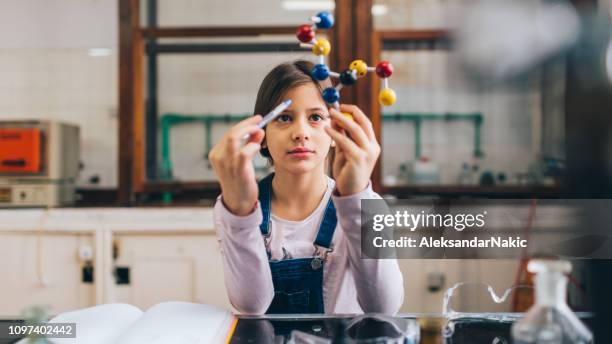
{"x": 296, "y": 139}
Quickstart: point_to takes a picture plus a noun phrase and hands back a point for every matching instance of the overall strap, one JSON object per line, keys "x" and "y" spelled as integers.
{"x": 265, "y": 200}
{"x": 328, "y": 225}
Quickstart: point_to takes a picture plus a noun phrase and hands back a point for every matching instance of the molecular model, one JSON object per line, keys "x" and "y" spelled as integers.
{"x": 357, "y": 69}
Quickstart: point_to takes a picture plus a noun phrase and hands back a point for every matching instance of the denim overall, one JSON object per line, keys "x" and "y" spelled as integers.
{"x": 298, "y": 283}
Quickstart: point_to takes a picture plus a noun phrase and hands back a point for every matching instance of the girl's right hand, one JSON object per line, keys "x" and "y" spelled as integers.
{"x": 233, "y": 165}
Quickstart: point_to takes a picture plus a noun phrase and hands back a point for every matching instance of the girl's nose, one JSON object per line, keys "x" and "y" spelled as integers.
{"x": 300, "y": 131}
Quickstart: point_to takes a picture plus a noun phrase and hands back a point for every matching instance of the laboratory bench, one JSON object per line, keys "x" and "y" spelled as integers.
{"x": 206, "y": 194}
{"x": 333, "y": 328}
{"x": 491, "y": 328}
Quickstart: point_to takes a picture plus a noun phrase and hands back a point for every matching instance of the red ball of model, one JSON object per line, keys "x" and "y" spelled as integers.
{"x": 384, "y": 69}
{"x": 305, "y": 33}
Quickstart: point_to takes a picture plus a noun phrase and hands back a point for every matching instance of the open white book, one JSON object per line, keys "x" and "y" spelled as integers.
{"x": 167, "y": 322}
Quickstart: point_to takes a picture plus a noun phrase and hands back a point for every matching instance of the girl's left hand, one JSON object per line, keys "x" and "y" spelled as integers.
{"x": 355, "y": 156}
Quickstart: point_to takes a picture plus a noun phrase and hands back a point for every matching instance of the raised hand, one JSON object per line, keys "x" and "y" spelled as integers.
{"x": 232, "y": 159}
{"x": 356, "y": 153}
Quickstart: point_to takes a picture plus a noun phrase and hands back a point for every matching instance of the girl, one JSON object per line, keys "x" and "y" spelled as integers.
{"x": 291, "y": 244}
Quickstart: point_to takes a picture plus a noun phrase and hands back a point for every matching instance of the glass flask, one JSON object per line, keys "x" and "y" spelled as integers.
{"x": 550, "y": 320}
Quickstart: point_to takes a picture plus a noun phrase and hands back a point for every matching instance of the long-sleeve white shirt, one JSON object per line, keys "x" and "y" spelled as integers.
{"x": 350, "y": 284}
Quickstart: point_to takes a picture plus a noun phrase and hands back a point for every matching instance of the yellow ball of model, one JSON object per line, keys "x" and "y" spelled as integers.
{"x": 321, "y": 47}
{"x": 348, "y": 115}
{"x": 338, "y": 124}
{"x": 360, "y": 66}
{"x": 387, "y": 97}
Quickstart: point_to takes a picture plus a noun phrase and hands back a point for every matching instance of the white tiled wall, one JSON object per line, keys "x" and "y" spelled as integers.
{"x": 47, "y": 72}
{"x": 228, "y": 13}
{"x": 428, "y": 82}
{"x": 69, "y": 85}
{"x": 417, "y": 14}
{"x": 58, "y": 23}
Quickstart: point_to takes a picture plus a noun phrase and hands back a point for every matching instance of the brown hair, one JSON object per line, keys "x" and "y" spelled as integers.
{"x": 279, "y": 80}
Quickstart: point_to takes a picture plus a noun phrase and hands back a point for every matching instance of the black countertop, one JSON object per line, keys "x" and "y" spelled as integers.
{"x": 466, "y": 329}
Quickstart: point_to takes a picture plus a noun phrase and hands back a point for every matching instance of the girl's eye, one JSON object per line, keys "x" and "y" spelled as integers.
{"x": 283, "y": 118}
{"x": 317, "y": 117}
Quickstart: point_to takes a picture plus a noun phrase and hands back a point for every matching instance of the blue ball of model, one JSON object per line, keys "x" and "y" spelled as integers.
{"x": 320, "y": 72}
{"x": 331, "y": 95}
{"x": 326, "y": 20}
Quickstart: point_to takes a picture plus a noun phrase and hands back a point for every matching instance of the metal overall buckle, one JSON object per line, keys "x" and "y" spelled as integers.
{"x": 267, "y": 238}
{"x": 318, "y": 260}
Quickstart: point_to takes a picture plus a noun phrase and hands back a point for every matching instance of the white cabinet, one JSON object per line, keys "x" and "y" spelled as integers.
{"x": 171, "y": 253}
{"x": 42, "y": 269}
{"x": 183, "y": 267}
{"x": 500, "y": 274}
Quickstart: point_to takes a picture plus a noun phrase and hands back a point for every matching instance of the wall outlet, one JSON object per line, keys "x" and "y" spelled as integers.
{"x": 87, "y": 273}
{"x": 435, "y": 281}
{"x": 122, "y": 274}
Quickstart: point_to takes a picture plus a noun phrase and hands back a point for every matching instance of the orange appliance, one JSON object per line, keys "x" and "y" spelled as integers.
{"x": 20, "y": 150}
{"x": 39, "y": 163}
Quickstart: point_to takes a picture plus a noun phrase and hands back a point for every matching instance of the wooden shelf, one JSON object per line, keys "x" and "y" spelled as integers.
{"x": 183, "y": 194}
{"x": 413, "y": 35}
{"x": 501, "y": 191}
{"x": 205, "y": 193}
{"x": 216, "y": 31}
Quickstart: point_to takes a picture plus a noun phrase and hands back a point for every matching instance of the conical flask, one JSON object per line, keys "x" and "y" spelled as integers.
{"x": 550, "y": 320}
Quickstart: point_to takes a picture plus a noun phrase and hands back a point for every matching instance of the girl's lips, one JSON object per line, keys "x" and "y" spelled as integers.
{"x": 301, "y": 153}
{"x": 301, "y": 150}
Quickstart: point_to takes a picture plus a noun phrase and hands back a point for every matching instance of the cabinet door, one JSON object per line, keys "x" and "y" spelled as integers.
{"x": 418, "y": 297}
{"x": 170, "y": 267}
{"x": 43, "y": 270}
{"x": 473, "y": 297}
